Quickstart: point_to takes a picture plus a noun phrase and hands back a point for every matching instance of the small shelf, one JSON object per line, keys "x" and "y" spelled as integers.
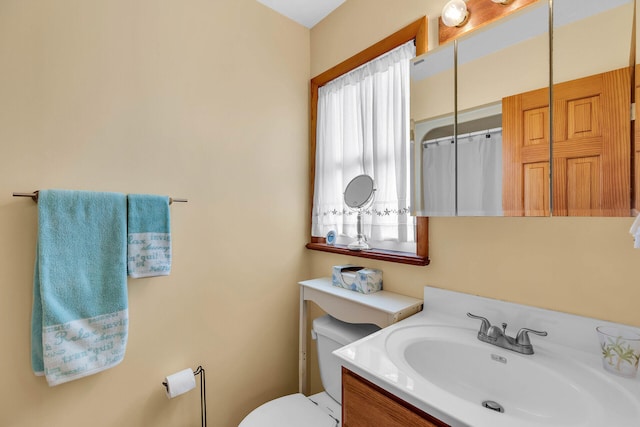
{"x": 382, "y": 308}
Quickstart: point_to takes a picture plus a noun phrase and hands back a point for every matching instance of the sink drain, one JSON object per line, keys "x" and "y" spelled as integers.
{"x": 494, "y": 406}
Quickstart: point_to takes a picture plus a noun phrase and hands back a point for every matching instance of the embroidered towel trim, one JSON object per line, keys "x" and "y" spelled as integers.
{"x": 149, "y": 236}
{"x": 80, "y": 308}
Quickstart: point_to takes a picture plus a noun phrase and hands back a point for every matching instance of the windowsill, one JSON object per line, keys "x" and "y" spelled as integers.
{"x": 379, "y": 254}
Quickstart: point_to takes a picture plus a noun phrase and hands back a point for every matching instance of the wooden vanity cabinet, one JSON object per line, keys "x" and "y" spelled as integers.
{"x": 364, "y": 404}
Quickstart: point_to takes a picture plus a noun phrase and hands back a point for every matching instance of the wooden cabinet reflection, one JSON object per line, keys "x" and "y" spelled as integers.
{"x": 591, "y": 148}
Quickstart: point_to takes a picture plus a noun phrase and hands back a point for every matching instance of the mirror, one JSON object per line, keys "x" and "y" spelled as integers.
{"x": 587, "y": 175}
{"x": 635, "y": 147}
{"x": 358, "y": 196}
{"x": 592, "y": 70}
{"x": 463, "y": 174}
{"x": 432, "y": 107}
{"x": 498, "y": 66}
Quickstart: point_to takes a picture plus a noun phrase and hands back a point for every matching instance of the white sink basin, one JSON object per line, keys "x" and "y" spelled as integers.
{"x": 547, "y": 388}
{"x": 435, "y": 362}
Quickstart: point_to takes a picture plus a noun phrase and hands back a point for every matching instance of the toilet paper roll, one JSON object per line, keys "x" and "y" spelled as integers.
{"x": 180, "y": 382}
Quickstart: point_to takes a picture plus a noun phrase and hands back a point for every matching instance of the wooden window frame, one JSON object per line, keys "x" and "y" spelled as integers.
{"x": 417, "y": 31}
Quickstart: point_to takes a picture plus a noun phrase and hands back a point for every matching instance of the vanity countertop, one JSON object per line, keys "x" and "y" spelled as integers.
{"x": 562, "y": 384}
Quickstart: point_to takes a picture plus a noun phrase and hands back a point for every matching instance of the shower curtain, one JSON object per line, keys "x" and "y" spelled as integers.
{"x": 479, "y": 175}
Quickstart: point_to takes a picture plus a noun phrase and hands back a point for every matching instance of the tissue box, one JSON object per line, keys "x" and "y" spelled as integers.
{"x": 356, "y": 278}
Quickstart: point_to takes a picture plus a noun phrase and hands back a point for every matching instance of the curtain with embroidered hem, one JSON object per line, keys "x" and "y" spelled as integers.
{"x": 363, "y": 128}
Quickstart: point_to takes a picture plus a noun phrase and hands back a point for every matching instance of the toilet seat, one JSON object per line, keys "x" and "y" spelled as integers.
{"x": 294, "y": 410}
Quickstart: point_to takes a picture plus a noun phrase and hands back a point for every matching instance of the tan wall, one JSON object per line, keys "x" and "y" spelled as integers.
{"x": 202, "y": 100}
{"x": 357, "y": 24}
{"x": 585, "y": 266}
{"x": 206, "y": 100}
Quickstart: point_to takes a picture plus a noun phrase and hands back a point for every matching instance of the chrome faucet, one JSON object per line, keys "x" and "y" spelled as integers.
{"x": 498, "y": 337}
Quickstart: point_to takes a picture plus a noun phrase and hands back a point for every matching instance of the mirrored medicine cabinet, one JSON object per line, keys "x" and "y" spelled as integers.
{"x": 488, "y": 141}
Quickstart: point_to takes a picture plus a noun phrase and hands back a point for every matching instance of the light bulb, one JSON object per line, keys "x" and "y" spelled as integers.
{"x": 454, "y": 13}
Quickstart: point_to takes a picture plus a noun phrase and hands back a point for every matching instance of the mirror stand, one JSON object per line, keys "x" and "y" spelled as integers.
{"x": 360, "y": 244}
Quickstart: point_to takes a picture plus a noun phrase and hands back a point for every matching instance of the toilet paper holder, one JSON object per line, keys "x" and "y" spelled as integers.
{"x": 203, "y": 394}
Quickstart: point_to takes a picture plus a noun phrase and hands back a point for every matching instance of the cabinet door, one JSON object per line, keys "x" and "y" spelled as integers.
{"x": 525, "y": 152}
{"x": 364, "y": 405}
{"x": 591, "y": 148}
{"x": 592, "y": 145}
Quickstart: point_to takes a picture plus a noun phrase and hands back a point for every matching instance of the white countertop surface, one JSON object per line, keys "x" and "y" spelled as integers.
{"x": 571, "y": 338}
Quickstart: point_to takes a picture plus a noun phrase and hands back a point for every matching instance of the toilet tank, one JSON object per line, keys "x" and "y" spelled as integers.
{"x": 331, "y": 334}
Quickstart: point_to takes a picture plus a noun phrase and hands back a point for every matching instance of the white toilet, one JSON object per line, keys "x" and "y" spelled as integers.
{"x": 322, "y": 409}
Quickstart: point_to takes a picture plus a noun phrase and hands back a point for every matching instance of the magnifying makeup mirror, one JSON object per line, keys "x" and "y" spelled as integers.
{"x": 358, "y": 196}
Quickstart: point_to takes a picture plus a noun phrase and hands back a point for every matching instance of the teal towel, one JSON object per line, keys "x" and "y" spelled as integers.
{"x": 80, "y": 312}
{"x": 149, "y": 236}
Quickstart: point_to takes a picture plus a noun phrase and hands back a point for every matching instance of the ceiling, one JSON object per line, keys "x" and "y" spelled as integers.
{"x": 305, "y": 12}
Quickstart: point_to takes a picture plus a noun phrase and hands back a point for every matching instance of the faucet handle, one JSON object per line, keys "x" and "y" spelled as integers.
{"x": 523, "y": 336}
{"x": 484, "y": 327}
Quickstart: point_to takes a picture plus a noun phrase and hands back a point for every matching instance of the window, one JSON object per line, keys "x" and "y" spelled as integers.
{"x": 363, "y": 128}
{"x": 389, "y": 219}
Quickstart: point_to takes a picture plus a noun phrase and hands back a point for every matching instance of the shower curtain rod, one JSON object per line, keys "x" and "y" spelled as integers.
{"x": 462, "y": 136}
{"x": 34, "y": 197}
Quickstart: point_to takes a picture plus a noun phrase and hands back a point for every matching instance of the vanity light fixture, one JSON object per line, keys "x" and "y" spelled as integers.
{"x": 477, "y": 14}
{"x": 455, "y": 13}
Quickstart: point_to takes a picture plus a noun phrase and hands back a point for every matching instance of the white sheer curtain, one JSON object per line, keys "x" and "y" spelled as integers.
{"x": 363, "y": 128}
{"x": 479, "y": 186}
{"x": 438, "y": 178}
{"x": 480, "y": 174}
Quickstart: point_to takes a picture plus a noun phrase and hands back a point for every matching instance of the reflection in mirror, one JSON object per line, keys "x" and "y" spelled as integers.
{"x": 432, "y": 102}
{"x": 499, "y": 61}
{"x": 586, "y": 170}
{"x": 635, "y": 200}
{"x": 479, "y": 184}
{"x": 499, "y": 65}
{"x": 479, "y": 168}
{"x": 591, "y": 109}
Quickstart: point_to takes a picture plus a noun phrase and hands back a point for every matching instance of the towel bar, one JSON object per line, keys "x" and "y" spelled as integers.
{"x": 34, "y": 196}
